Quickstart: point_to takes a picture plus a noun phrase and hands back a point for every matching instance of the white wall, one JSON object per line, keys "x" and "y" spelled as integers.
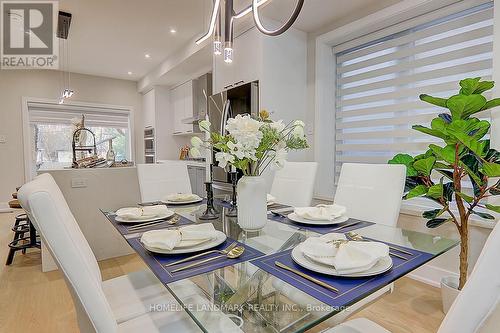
{"x": 15, "y": 84}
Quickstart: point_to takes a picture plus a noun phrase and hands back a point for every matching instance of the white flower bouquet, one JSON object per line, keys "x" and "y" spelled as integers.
{"x": 252, "y": 145}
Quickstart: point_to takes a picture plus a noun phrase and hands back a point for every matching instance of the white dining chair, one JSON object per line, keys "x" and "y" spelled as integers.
{"x": 371, "y": 192}
{"x": 294, "y": 184}
{"x": 159, "y": 180}
{"x": 121, "y": 304}
{"x": 476, "y": 308}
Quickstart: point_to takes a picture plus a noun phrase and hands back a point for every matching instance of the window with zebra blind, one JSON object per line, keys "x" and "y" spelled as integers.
{"x": 379, "y": 79}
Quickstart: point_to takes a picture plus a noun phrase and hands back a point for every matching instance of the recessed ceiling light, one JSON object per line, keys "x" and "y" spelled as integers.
{"x": 173, "y": 31}
{"x": 129, "y": 73}
{"x": 147, "y": 55}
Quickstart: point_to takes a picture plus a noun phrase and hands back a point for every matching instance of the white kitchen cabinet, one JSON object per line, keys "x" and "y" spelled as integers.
{"x": 148, "y": 109}
{"x": 197, "y": 179}
{"x": 182, "y": 105}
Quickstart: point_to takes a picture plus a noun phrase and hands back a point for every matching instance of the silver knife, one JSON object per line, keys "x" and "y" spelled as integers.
{"x": 345, "y": 226}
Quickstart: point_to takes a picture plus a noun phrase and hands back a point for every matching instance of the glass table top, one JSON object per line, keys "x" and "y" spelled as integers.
{"x": 244, "y": 298}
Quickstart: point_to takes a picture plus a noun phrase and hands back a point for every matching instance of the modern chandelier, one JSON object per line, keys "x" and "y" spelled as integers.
{"x": 230, "y": 16}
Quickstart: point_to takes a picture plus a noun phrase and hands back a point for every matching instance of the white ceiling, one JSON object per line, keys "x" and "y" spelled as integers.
{"x": 110, "y": 37}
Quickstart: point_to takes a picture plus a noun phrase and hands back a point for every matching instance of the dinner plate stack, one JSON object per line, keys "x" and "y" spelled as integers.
{"x": 333, "y": 254}
{"x": 319, "y": 215}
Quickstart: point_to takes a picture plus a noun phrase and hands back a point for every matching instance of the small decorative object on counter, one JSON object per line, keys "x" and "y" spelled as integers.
{"x": 184, "y": 153}
{"x": 84, "y": 155}
{"x": 110, "y": 156}
{"x": 251, "y": 145}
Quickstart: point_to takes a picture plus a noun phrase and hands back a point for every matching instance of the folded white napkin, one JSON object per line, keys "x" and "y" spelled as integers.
{"x": 347, "y": 258}
{"x": 186, "y": 236}
{"x": 270, "y": 199}
{"x": 131, "y": 213}
{"x": 321, "y": 212}
{"x": 180, "y": 197}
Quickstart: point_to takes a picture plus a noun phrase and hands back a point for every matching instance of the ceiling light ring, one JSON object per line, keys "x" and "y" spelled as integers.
{"x": 291, "y": 20}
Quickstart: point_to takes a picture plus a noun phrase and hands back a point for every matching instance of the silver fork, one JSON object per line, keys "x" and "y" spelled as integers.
{"x": 171, "y": 221}
{"x": 223, "y": 252}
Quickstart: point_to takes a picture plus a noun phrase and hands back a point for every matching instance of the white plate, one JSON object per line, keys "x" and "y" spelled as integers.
{"x": 383, "y": 265}
{"x": 168, "y": 202}
{"x": 149, "y": 219}
{"x": 294, "y": 217}
{"x": 219, "y": 239}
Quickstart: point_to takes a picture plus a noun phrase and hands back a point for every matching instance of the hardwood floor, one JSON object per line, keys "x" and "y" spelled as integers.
{"x": 32, "y": 301}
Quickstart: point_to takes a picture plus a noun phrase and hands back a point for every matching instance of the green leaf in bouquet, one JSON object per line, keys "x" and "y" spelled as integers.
{"x": 484, "y": 215}
{"x": 424, "y": 166}
{"x": 435, "y": 191}
{"x": 461, "y": 106}
{"x": 491, "y": 169}
{"x": 433, "y": 100}
{"x": 407, "y": 160}
{"x": 494, "y": 208}
{"x": 434, "y": 223}
{"x": 417, "y": 191}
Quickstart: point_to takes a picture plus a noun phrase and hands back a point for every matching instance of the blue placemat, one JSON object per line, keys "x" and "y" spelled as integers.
{"x": 156, "y": 261}
{"x": 321, "y": 229}
{"x": 350, "y": 289}
{"x": 123, "y": 227}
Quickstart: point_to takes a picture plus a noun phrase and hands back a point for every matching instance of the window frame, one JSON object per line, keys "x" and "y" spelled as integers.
{"x": 88, "y": 108}
{"x": 385, "y": 22}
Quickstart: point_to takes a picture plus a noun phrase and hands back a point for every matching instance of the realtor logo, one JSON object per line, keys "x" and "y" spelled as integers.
{"x": 28, "y": 33}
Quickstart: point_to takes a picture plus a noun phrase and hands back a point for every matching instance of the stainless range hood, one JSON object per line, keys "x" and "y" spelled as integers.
{"x": 202, "y": 89}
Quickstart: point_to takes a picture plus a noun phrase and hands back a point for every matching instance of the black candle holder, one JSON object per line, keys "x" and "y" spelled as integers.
{"x": 233, "y": 211}
{"x": 210, "y": 212}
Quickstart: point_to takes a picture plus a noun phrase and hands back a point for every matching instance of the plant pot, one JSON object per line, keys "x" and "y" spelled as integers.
{"x": 449, "y": 291}
{"x": 252, "y": 203}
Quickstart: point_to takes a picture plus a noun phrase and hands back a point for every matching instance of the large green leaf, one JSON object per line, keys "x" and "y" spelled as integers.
{"x": 466, "y": 197}
{"x": 435, "y": 191}
{"x": 461, "y": 106}
{"x": 484, "y": 215}
{"x": 407, "y": 160}
{"x": 432, "y": 214}
{"x": 447, "y": 153}
{"x": 433, "y": 100}
{"x": 491, "y": 169}
{"x": 469, "y": 85}
{"x": 434, "y": 223}
{"x": 429, "y": 131}
{"x": 493, "y": 208}
{"x": 484, "y": 86}
{"x": 448, "y": 190}
{"x": 478, "y": 147}
{"x": 416, "y": 192}
{"x": 425, "y": 165}
{"x": 491, "y": 104}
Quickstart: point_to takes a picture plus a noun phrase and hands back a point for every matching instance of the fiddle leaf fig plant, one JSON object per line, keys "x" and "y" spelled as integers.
{"x": 465, "y": 155}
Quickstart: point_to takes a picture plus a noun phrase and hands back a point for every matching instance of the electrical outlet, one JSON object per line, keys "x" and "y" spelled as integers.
{"x": 78, "y": 182}
{"x": 3, "y": 138}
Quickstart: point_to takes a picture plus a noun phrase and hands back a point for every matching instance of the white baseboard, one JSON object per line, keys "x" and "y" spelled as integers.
{"x": 431, "y": 275}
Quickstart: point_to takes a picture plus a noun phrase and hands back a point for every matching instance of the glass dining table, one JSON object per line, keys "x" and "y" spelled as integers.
{"x": 256, "y": 301}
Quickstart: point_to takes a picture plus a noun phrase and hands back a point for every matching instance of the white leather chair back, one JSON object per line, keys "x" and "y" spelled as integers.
{"x": 159, "y": 180}
{"x": 294, "y": 183}
{"x": 45, "y": 204}
{"x": 477, "y": 307}
{"x": 371, "y": 192}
